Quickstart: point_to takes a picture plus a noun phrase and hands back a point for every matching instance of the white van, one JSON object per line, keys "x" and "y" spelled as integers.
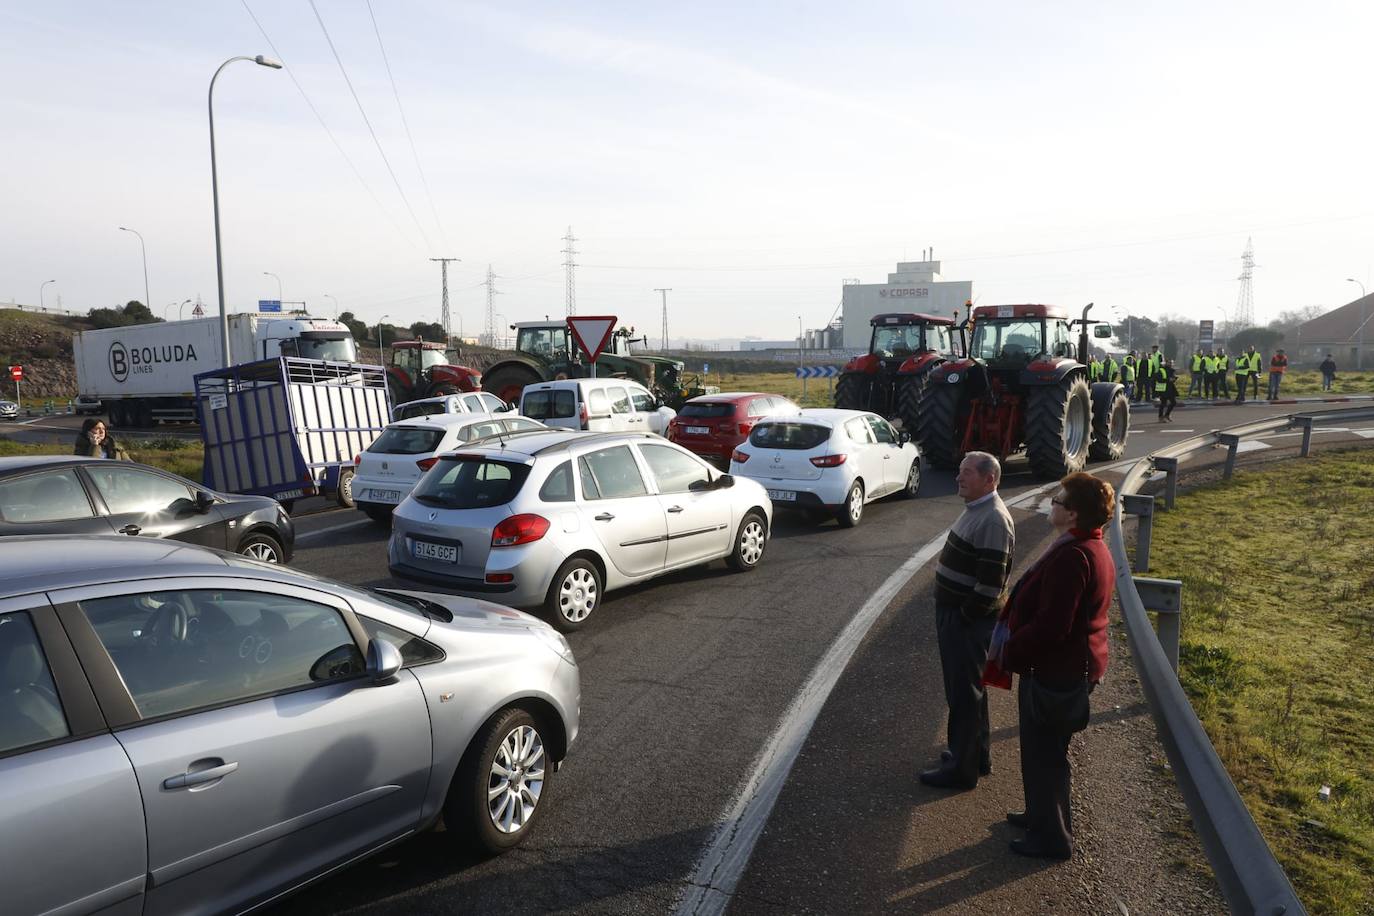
{"x": 598, "y": 404}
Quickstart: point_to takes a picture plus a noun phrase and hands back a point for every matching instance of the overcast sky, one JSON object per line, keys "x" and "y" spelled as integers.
{"x": 749, "y": 156}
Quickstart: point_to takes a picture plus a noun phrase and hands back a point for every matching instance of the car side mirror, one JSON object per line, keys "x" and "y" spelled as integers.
{"x": 204, "y": 501}
{"x": 699, "y": 486}
{"x": 1102, "y": 330}
{"x": 725, "y": 481}
{"x": 383, "y": 660}
{"x": 903, "y": 437}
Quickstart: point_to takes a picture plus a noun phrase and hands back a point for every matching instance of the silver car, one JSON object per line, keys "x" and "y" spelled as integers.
{"x": 553, "y": 519}
{"x": 8, "y": 410}
{"x": 188, "y": 731}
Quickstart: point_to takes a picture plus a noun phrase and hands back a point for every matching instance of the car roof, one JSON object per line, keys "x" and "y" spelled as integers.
{"x": 732, "y": 396}
{"x": 27, "y": 462}
{"x": 525, "y": 447}
{"x": 822, "y": 416}
{"x": 575, "y": 382}
{"x": 448, "y": 419}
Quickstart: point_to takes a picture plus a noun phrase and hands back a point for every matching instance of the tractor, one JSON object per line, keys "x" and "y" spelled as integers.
{"x": 545, "y": 351}
{"x": 422, "y": 369}
{"x": 1024, "y": 385}
{"x": 891, "y": 379}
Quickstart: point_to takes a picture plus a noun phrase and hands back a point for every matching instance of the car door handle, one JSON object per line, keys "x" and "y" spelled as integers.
{"x": 200, "y": 777}
{"x": 674, "y": 508}
{"x": 604, "y": 517}
{"x": 887, "y": 457}
{"x": 130, "y": 530}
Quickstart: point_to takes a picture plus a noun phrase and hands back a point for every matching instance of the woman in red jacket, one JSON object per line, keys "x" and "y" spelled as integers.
{"x": 1056, "y": 626}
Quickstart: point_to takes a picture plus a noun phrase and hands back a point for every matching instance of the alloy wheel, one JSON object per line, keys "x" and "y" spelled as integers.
{"x": 577, "y": 595}
{"x": 751, "y": 540}
{"x": 263, "y": 551}
{"x": 856, "y": 504}
{"x": 516, "y": 779}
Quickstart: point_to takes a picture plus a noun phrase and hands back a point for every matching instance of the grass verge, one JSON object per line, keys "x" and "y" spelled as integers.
{"x": 1278, "y": 618}
{"x": 180, "y": 456}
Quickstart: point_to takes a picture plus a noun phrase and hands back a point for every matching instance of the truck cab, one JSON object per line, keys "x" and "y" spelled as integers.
{"x": 308, "y": 338}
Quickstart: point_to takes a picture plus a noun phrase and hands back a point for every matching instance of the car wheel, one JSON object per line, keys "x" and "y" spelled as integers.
{"x": 853, "y": 509}
{"x": 573, "y": 595}
{"x": 345, "y": 494}
{"x": 499, "y": 790}
{"x": 913, "y": 481}
{"x": 262, "y": 547}
{"x": 750, "y": 542}
{"x": 380, "y": 516}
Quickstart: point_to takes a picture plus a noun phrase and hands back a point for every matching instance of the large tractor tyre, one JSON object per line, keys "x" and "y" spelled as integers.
{"x": 1059, "y": 421}
{"x": 1111, "y": 423}
{"x": 506, "y": 382}
{"x": 938, "y": 432}
{"x": 911, "y": 391}
{"x": 851, "y": 391}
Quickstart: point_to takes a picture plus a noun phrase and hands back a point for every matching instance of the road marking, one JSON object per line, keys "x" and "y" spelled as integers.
{"x": 1252, "y": 445}
{"x": 1174, "y": 432}
{"x": 333, "y": 528}
{"x": 1364, "y": 433}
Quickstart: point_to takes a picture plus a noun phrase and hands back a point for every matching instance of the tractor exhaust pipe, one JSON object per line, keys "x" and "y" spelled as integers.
{"x": 1084, "y": 356}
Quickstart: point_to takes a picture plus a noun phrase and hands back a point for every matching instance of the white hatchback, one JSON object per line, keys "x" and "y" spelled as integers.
{"x": 602, "y": 405}
{"x": 396, "y": 460}
{"x": 473, "y": 402}
{"x": 829, "y": 461}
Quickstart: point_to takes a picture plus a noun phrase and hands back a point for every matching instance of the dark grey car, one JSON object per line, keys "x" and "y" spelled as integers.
{"x": 71, "y": 495}
{"x": 189, "y": 731}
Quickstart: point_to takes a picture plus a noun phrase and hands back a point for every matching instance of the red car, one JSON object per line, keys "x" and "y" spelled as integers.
{"x": 714, "y": 424}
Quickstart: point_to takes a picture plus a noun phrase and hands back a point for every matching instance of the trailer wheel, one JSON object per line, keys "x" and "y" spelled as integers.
{"x": 345, "y": 494}
{"x": 1059, "y": 421}
{"x": 937, "y": 430}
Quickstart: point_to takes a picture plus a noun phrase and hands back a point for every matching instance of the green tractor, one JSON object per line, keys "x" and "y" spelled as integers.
{"x": 545, "y": 351}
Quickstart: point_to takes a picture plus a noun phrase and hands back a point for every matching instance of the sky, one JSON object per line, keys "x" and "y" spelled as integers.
{"x": 748, "y": 156}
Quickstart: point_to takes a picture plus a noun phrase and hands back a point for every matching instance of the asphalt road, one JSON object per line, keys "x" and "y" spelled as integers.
{"x": 684, "y": 680}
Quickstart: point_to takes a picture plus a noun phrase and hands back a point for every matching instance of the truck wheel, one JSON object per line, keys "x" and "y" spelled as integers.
{"x": 851, "y": 392}
{"x": 508, "y": 381}
{"x": 937, "y": 431}
{"x": 1059, "y": 423}
{"x": 345, "y": 494}
{"x": 911, "y": 391}
{"x": 1111, "y": 425}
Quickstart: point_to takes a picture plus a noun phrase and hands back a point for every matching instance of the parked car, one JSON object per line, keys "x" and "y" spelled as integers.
{"x": 397, "y": 459}
{"x": 595, "y": 404}
{"x": 827, "y": 461}
{"x": 9, "y": 410}
{"x": 88, "y": 403}
{"x": 183, "y": 730}
{"x": 45, "y": 494}
{"x": 552, "y": 521}
{"x": 714, "y": 424}
{"x": 477, "y": 402}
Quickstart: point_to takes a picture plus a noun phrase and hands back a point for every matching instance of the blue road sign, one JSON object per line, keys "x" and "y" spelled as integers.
{"x": 818, "y": 371}
{"x": 269, "y": 305}
{"x": 705, "y": 367}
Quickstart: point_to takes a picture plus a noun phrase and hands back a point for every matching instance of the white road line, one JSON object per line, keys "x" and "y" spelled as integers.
{"x": 1364, "y": 433}
{"x": 332, "y": 529}
{"x": 1174, "y": 432}
{"x": 1252, "y": 445}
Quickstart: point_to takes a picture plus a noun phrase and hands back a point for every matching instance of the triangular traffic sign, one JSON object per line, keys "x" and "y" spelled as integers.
{"x": 591, "y": 332}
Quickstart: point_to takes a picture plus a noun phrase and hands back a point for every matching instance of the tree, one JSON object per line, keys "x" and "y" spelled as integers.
{"x": 1136, "y": 332}
{"x": 389, "y": 333}
{"x": 1265, "y": 340}
{"x": 1170, "y": 346}
{"x": 139, "y": 313}
{"x": 355, "y": 327}
{"x": 108, "y": 318}
{"x": 1289, "y": 320}
{"x": 429, "y": 330}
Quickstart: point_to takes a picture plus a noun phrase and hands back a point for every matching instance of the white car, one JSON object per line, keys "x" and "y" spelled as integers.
{"x": 475, "y": 402}
{"x": 388, "y": 470}
{"x": 602, "y": 405}
{"x": 829, "y": 461}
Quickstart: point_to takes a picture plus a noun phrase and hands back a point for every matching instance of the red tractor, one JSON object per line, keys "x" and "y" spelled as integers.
{"x": 891, "y": 379}
{"x": 1024, "y": 385}
{"x": 421, "y": 369}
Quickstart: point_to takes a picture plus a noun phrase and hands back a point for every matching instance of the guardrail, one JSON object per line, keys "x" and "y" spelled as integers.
{"x": 1250, "y": 877}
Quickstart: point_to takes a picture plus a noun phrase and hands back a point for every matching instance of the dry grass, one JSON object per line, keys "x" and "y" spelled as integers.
{"x": 179, "y": 456}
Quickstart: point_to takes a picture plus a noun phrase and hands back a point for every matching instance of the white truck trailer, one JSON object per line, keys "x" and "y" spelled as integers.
{"x": 146, "y": 372}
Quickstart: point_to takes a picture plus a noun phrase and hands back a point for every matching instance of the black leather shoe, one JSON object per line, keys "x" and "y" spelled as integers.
{"x": 1034, "y": 850}
{"x": 1018, "y": 819}
{"x": 942, "y": 778}
{"x": 984, "y": 765}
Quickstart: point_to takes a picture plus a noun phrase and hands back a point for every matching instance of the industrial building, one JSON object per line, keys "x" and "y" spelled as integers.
{"x": 1347, "y": 333}
{"x": 916, "y": 286}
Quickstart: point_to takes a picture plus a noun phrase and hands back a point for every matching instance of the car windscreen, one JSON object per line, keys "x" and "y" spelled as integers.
{"x": 407, "y": 411}
{"x": 549, "y": 404}
{"x": 470, "y": 482}
{"x": 788, "y": 435}
{"x": 709, "y": 411}
{"x": 406, "y": 440}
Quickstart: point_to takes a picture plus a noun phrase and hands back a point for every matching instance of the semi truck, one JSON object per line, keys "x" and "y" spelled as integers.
{"x": 146, "y": 372}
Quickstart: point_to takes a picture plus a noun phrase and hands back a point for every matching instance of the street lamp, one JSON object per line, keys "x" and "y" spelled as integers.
{"x": 147, "y": 298}
{"x": 214, "y": 191}
{"x": 42, "y": 307}
{"x": 381, "y": 341}
{"x": 336, "y": 304}
{"x": 1359, "y": 354}
{"x": 181, "y": 308}
{"x": 280, "y": 296}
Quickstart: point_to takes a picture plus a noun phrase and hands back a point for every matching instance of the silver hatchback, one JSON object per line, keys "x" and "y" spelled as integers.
{"x": 188, "y": 731}
{"x": 552, "y": 520}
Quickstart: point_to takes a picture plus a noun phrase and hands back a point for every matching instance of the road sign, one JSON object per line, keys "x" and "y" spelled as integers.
{"x": 269, "y": 305}
{"x": 817, "y": 371}
{"x": 17, "y": 373}
{"x": 591, "y": 332}
{"x": 198, "y": 311}
{"x": 705, "y": 367}
{"x": 1204, "y": 334}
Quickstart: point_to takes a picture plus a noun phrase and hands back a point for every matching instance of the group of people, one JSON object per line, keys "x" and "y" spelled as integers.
{"x": 1050, "y": 630}
{"x": 1154, "y": 378}
{"x": 1211, "y": 370}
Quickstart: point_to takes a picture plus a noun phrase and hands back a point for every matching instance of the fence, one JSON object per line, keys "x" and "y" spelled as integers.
{"x": 41, "y": 309}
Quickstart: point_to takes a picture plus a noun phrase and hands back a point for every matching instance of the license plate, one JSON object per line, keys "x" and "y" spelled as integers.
{"x": 697, "y": 430}
{"x": 444, "y": 553}
{"x": 786, "y": 496}
{"x": 385, "y": 496}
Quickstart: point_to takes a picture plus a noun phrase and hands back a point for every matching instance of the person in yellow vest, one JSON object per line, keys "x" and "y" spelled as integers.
{"x": 1166, "y": 389}
{"x": 1209, "y": 374}
{"x": 1154, "y": 368}
{"x": 1223, "y": 372}
{"x": 1242, "y": 382}
{"x": 1195, "y": 378}
{"x": 1094, "y": 369}
{"x": 1254, "y": 372}
{"x": 1128, "y": 367}
{"x": 1109, "y": 369}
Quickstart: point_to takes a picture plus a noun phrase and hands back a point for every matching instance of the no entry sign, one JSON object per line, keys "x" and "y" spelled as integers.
{"x": 17, "y": 373}
{"x": 591, "y": 333}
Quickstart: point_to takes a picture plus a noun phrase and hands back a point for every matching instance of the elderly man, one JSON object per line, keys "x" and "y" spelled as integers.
{"x": 970, "y": 579}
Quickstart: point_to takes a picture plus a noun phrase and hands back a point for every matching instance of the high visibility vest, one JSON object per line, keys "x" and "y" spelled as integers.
{"x": 1242, "y": 365}
{"x": 1197, "y": 363}
{"x": 1161, "y": 383}
{"x": 1154, "y": 362}
{"x": 1094, "y": 370}
{"x": 1255, "y": 362}
{"x": 1222, "y": 363}
{"x": 1128, "y": 371}
{"x": 1109, "y": 370}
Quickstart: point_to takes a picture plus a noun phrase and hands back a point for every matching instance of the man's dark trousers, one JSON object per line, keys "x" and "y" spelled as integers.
{"x": 1254, "y": 378}
{"x": 1045, "y": 774}
{"x": 963, "y": 656}
{"x": 1240, "y": 388}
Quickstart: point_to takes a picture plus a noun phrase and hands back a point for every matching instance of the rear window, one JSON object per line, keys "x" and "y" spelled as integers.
{"x": 788, "y": 435}
{"x": 459, "y": 482}
{"x": 551, "y": 404}
{"x": 406, "y": 440}
{"x": 710, "y": 411}
{"x": 407, "y": 411}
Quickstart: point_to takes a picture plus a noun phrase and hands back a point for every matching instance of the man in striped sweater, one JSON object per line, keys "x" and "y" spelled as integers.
{"x": 970, "y": 580}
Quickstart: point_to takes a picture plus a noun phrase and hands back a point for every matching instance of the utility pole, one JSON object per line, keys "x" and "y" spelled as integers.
{"x": 492, "y": 293}
{"x": 569, "y": 266}
{"x": 664, "y": 293}
{"x": 443, "y": 313}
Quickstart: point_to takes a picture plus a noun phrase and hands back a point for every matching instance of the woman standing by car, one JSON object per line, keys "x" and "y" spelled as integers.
{"x": 95, "y": 441}
{"x": 1056, "y": 625}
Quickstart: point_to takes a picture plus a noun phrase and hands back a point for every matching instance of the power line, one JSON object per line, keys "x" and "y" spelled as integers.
{"x": 406, "y": 124}
{"x": 381, "y": 152}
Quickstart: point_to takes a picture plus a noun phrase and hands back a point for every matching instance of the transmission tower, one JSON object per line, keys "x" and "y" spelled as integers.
{"x": 664, "y": 293}
{"x": 1245, "y": 305}
{"x": 569, "y": 265}
{"x": 444, "y": 313}
{"x": 492, "y": 293}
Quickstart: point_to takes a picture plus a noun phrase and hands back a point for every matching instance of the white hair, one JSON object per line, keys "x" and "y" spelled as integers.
{"x": 987, "y": 465}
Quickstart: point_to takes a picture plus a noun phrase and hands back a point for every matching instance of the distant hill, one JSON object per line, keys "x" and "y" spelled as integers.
{"x": 42, "y": 344}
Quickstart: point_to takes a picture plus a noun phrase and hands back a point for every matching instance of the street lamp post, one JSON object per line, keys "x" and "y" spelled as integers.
{"x": 381, "y": 341}
{"x": 147, "y": 297}
{"x": 214, "y": 191}
{"x": 336, "y": 304}
{"x": 181, "y": 309}
{"x": 1359, "y": 354}
{"x": 281, "y": 297}
{"x": 41, "y": 306}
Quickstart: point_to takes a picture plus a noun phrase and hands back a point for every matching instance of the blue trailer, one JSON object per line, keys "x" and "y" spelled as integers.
{"x": 289, "y": 428}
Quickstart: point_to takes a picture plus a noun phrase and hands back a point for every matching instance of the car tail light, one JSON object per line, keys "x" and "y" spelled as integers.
{"x": 425, "y": 464}
{"x": 357, "y": 459}
{"x": 519, "y": 529}
{"x": 739, "y": 456}
{"x": 582, "y": 414}
{"x": 744, "y": 428}
{"x": 500, "y": 578}
{"x": 829, "y": 461}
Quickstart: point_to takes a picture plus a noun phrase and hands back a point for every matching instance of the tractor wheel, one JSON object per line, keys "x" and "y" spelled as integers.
{"x": 851, "y": 392}
{"x": 508, "y": 381}
{"x": 911, "y": 391}
{"x": 1059, "y": 420}
{"x": 938, "y": 431}
{"x": 1111, "y": 425}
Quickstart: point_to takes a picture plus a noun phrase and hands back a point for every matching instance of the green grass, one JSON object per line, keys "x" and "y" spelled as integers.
{"x": 1300, "y": 383}
{"x": 180, "y": 456}
{"x": 1278, "y": 621}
